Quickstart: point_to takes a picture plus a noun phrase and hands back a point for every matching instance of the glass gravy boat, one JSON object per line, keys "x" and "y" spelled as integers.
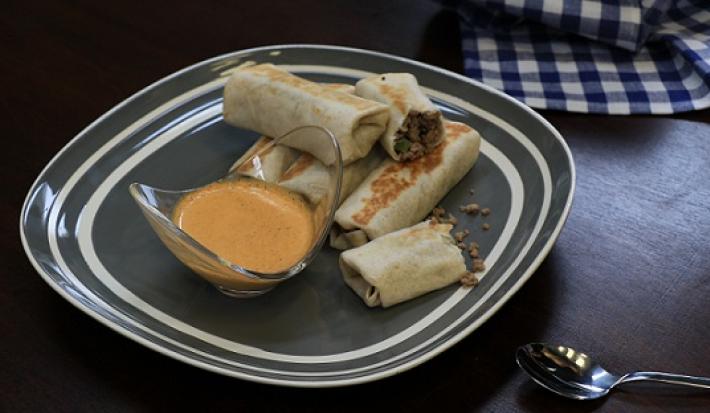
{"x": 158, "y": 207}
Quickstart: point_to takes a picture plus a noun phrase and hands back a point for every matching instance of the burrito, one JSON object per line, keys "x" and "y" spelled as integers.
{"x": 272, "y": 102}
{"x": 340, "y": 87}
{"x": 415, "y": 125}
{"x": 310, "y": 177}
{"x": 397, "y": 195}
{"x": 277, "y": 159}
{"x": 404, "y": 264}
{"x": 274, "y": 161}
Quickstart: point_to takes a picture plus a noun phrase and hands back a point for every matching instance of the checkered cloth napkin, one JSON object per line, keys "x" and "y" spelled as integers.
{"x": 591, "y": 56}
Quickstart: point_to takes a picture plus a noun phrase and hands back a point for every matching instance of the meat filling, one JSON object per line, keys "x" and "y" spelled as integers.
{"x": 419, "y": 134}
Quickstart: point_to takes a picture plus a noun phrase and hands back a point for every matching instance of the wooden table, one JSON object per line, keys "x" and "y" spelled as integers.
{"x": 628, "y": 281}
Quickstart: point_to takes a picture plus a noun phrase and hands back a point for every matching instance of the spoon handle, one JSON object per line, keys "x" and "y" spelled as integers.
{"x": 692, "y": 381}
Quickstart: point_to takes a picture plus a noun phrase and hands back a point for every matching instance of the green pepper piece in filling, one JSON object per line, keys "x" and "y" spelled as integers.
{"x": 402, "y": 145}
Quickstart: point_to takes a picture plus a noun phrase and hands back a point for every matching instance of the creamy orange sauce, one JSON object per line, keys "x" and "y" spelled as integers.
{"x": 257, "y": 225}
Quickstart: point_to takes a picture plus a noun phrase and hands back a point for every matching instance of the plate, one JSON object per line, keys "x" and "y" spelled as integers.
{"x": 88, "y": 240}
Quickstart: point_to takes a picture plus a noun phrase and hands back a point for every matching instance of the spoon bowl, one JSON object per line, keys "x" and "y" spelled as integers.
{"x": 574, "y": 375}
{"x": 158, "y": 207}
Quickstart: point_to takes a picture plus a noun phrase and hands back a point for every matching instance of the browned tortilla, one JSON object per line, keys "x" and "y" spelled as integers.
{"x": 273, "y": 102}
{"x": 399, "y": 194}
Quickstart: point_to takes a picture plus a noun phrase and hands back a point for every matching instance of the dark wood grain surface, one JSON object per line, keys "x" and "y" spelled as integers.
{"x": 628, "y": 280}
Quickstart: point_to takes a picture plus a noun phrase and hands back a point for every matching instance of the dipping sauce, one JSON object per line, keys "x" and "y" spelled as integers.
{"x": 257, "y": 225}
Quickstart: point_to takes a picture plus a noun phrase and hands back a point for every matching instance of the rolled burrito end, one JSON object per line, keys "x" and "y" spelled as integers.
{"x": 403, "y": 265}
{"x": 341, "y": 239}
{"x": 415, "y": 125}
{"x": 368, "y": 292}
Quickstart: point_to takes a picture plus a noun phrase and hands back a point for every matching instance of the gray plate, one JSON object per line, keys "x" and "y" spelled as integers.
{"x": 88, "y": 240}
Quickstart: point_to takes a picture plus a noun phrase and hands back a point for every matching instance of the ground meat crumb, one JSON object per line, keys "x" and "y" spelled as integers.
{"x": 473, "y": 250}
{"x": 459, "y": 236}
{"x": 468, "y": 279}
{"x": 485, "y": 212}
{"x": 471, "y": 209}
{"x": 461, "y": 245}
{"x": 438, "y": 212}
{"x": 478, "y": 265}
{"x": 486, "y": 226}
{"x": 437, "y": 216}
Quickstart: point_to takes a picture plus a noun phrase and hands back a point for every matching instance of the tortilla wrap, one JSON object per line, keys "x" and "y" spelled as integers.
{"x": 403, "y": 264}
{"x": 397, "y": 195}
{"x": 340, "y": 87}
{"x": 274, "y": 161}
{"x": 310, "y": 177}
{"x": 415, "y": 125}
{"x": 272, "y": 102}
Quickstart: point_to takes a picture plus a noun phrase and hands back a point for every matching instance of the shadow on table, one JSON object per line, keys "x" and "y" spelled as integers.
{"x": 701, "y": 116}
{"x": 534, "y": 398}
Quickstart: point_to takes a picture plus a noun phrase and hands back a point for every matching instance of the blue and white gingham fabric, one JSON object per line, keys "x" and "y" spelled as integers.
{"x": 591, "y": 56}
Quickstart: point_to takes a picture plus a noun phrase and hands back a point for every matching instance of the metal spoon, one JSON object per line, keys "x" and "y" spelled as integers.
{"x": 572, "y": 374}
